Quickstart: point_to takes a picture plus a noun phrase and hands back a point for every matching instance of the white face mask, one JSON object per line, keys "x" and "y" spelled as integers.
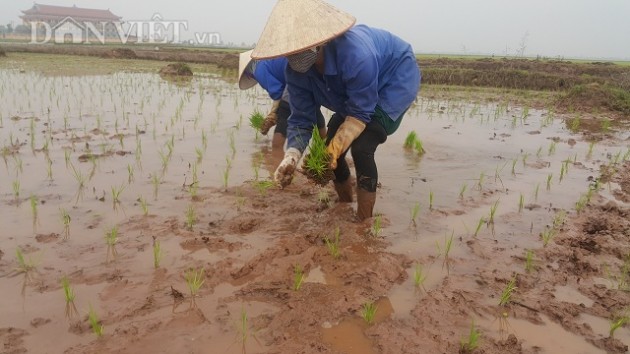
{"x": 303, "y": 61}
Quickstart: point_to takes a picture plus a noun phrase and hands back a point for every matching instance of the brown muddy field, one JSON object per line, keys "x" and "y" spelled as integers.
{"x": 506, "y": 195}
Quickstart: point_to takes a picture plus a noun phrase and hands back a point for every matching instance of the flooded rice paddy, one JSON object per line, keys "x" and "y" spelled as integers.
{"x": 98, "y": 168}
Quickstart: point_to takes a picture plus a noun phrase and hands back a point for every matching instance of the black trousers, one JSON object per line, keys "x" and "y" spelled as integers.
{"x": 283, "y": 113}
{"x": 362, "y": 150}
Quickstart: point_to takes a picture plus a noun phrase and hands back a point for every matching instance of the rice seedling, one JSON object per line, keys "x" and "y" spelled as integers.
{"x": 333, "y": 244}
{"x": 549, "y": 179}
{"x": 191, "y": 217}
{"x": 226, "y": 177}
{"x": 521, "y": 203}
{"x": 419, "y": 277}
{"x": 529, "y": 261}
{"x": 243, "y": 329}
{"x": 481, "y": 179}
{"x": 552, "y": 148}
{"x": 563, "y": 170}
{"x": 18, "y": 165}
{"x": 323, "y": 197}
{"x": 49, "y": 170}
{"x": 298, "y": 277}
{"x": 525, "y": 156}
{"x": 157, "y": 253}
{"x": 617, "y": 322}
{"x": 445, "y": 250}
{"x": 32, "y": 134}
{"x": 165, "y": 158}
{"x": 68, "y": 292}
{"x": 204, "y": 140}
{"x": 24, "y": 265}
{"x": 16, "y": 189}
{"x": 116, "y": 191}
{"x": 317, "y": 161}
{"x": 263, "y": 186}
{"x": 431, "y": 197}
{"x": 232, "y": 143}
{"x": 558, "y": 219}
{"x": 376, "y": 226}
{"x": 410, "y": 140}
{"x": 66, "y": 154}
{"x": 414, "y": 213}
{"x": 514, "y": 167}
{"x": 130, "y": 171}
{"x": 589, "y": 153}
{"x": 547, "y": 236}
{"x": 155, "y": 180}
{"x": 606, "y": 123}
{"x": 368, "y": 312}
{"x": 34, "y": 201}
{"x": 111, "y": 236}
{"x": 78, "y": 176}
{"x": 95, "y": 323}
{"x": 144, "y": 205}
{"x": 506, "y": 295}
{"x": 493, "y": 211}
{"x": 194, "y": 280}
{"x": 256, "y": 120}
{"x": 470, "y": 343}
{"x": 462, "y": 190}
{"x": 581, "y": 203}
{"x": 574, "y": 125}
{"x": 536, "y": 190}
{"x": 65, "y": 220}
{"x": 199, "y": 153}
{"x": 419, "y": 147}
{"x": 479, "y": 224}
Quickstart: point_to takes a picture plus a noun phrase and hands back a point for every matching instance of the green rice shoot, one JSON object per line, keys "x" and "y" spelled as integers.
{"x": 256, "y": 120}
{"x": 368, "y": 312}
{"x": 194, "y": 280}
{"x": 318, "y": 158}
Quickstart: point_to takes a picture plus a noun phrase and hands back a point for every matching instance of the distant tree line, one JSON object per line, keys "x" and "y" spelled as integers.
{"x": 9, "y": 29}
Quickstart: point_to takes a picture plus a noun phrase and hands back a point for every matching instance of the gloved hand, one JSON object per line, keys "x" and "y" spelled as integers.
{"x": 284, "y": 172}
{"x": 271, "y": 118}
{"x": 349, "y": 130}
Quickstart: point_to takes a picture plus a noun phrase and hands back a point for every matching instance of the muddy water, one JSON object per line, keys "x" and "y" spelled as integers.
{"x": 160, "y": 131}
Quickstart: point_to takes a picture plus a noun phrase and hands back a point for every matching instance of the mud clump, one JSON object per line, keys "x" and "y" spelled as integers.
{"x": 319, "y": 176}
{"x": 121, "y": 53}
{"x": 177, "y": 69}
{"x": 596, "y": 97}
{"x": 229, "y": 61}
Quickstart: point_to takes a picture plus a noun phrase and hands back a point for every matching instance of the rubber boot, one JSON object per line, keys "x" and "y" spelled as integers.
{"x": 344, "y": 191}
{"x": 365, "y": 203}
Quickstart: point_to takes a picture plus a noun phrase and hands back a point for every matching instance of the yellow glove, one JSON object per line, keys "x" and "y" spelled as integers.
{"x": 271, "y": 118}
{"x": 349, "y": 130}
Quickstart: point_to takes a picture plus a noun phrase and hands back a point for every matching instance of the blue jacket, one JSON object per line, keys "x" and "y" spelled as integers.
{"x": 270, "y": 75}
{"x": 363, "y": 68}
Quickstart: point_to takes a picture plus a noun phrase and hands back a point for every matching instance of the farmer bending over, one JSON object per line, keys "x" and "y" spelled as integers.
{"x": 270, "y": 75}
{"x": 367, "y": 76}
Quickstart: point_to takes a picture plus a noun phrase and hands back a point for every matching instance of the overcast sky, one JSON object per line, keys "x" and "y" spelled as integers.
{"x": 552, "y": 28}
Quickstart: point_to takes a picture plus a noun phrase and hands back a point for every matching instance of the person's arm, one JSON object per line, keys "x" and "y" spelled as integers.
{"x": 299, "y": 125}
{"x": 303, "y": 111}
{"x": 359, "y": 72}
{"x": 269, "y": 80}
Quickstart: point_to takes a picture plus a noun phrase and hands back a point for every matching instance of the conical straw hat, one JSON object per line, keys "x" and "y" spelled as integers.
{"x": 295, "y": 25}
{"x": 245, "y": 81}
